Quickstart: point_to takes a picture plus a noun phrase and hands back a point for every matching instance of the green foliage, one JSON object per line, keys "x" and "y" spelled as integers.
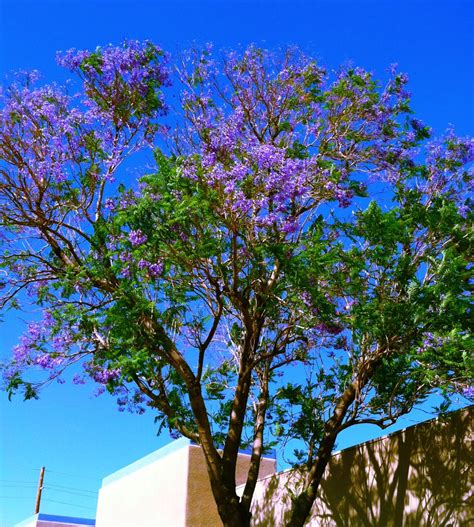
{"x": 288, "y": 269}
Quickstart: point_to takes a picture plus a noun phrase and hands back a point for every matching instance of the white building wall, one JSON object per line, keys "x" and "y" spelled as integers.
{"x": 30, "y": 522}
{"x": 149, "y": 493}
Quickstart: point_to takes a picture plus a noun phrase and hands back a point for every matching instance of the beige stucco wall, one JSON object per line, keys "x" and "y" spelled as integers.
{"x": 151, "y": 496}
{"x": 200, "y": 507}
{"x": 419, "y": 477}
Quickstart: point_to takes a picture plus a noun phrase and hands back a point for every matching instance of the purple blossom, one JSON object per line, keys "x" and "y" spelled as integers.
{"x": 104, "y": 376}
{"x": 137, "y": 238}
{"x": 49, "y": 361}
{"x": 34, "y": 331}
{"x": 290, "y": 226}
{"x": 62, "y": 342}
{"x": 61, "y": 134}
{"x": 99, "y": 391}
{"x": 126, "y": 272}
{"x": 48, "y": 320}
{"x": 21, "y": 352}
{"x": 139, "y": 66}
{"x": 330, "y": 329}
{"x": 78, "y": 379}
{"x": 155, "y": 269}
{"x": 468, "y": 392}
{"x": 143, "y": 264}
{"x": 463, "y": 210}
{"x": 342, "y": 195}
{"x": 109, "y": 204}
{"x": 432, "y": 342}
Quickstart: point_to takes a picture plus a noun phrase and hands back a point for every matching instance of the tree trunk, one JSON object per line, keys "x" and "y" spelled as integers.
{"x": 232, "y": 514}
{"x": 231, "y": 511}
{"x": 303, "y": 503}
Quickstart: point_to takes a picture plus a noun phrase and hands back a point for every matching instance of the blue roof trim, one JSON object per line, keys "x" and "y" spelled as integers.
{"x": 147, "y": 460}
{"x": 65, "y": 519}
{"x": 57, "y": 519}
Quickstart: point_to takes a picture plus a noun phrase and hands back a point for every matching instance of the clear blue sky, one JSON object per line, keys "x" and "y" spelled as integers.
{"x": 81, "y": 439}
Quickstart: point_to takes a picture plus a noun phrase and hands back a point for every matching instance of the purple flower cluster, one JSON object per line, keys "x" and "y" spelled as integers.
{"x": 121, "y": 79}
{"x": 468, "y": 392}
{"x": 78, "y": 379}
{"x": 131, "y": 401}
{"x": 48, "y": 361}
{"x": 154, "y": 270}
{"x": 69, "y": 143}
{"x": 43, "y": 122}
{"x": 109, "y": 204}
{"x": 261, "y": 181}
{"x": 266, "y": 147}
{"x": 137, "y": 237}
{"x": 343, "y": 195}
{"x": 43, "y": 345}
{"x": 449, "y": 163}
{"x": 329, "y": 329}
{"x": 104, "y": 376}
{"x": 309, "y": 303}
{"x": 432, "y": 342}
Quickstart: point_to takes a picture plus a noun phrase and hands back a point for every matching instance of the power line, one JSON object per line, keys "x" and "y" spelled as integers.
{"x": 25, "y": 484}
{"x": 47, "y": 487}
{"x": 80, "y": 476}
{"x": 71, "y": 504}
{"x": 72, "y": 488}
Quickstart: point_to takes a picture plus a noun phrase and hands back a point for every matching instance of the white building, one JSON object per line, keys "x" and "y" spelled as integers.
{"x": 170, "y": 487}
{"x": 418, "y": 477}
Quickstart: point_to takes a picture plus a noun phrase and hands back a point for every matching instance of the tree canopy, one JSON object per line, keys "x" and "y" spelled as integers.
{"x": 296, "y": 263}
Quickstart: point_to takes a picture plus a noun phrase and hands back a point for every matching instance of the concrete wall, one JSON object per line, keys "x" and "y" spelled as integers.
{"x": 30, "y": 522}
{"x": 149, "y": 493}
{"x": 200, "y": 507}
{"x": 168, "y": 488}
{"x": 419, "y": 477}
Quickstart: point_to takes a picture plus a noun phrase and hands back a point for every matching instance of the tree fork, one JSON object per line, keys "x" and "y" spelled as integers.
{"x": 303, "y": 503}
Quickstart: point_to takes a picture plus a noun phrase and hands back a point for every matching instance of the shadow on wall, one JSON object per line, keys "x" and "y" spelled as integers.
{"x": 421, "y": 476}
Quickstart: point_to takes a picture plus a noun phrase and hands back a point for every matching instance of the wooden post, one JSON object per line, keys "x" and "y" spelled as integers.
{"x": 40, "y": 489}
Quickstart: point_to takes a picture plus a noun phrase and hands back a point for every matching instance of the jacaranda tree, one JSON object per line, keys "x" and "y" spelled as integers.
{"x": 294, "y": 265}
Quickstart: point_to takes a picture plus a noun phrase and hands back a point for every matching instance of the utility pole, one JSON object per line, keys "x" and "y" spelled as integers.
{"x": 40, "y": 489}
